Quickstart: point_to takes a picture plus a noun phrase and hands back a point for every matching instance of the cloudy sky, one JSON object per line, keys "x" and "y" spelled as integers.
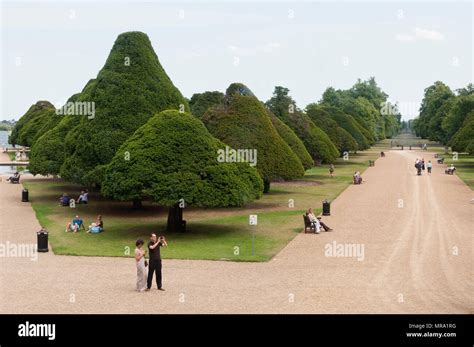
{"x": 49, "y": 50}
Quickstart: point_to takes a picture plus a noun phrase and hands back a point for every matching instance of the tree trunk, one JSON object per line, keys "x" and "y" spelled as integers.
{"x": 137, "y": 204}
{"x": 266, "y": 186}
{"x": 175, "y": 220}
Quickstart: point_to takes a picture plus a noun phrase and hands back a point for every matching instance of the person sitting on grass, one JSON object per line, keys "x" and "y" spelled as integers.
{"x": 64, "y": 200}
{"x": 316, "y": 221}
{"x": 83, "y": 197}
{"x": 97, "y": 226}
{"x": 76, "y": 224}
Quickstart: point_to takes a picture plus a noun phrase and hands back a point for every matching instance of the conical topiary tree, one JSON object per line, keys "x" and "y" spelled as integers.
{"x": 200, "y": 102}
{"x": 339, "y": 136}
{"x": 28, "y": 127}
{"x": 296, "y": 145}
{"x": 348, "y": 123}
{"x": 243, "y": 123}
{"x": 316, "y": 141}
{"x": 173, "y": 159}
{"x": 130, "y": 88}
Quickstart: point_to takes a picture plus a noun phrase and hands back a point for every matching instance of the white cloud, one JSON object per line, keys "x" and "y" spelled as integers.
{"x": 419, "y": 34}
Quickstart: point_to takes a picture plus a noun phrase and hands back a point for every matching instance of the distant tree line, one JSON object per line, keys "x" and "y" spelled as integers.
{"x": 447, "y": 117}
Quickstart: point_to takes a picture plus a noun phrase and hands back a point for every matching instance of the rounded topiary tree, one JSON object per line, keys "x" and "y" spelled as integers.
{"x": 28, "y": 127}
{"x": 173, "y": 159}
{"x": 130, "y": 88}
{"x": 47, "y": 154}
{"x": 244, "y": 124}
{"x": 296, "y": 145}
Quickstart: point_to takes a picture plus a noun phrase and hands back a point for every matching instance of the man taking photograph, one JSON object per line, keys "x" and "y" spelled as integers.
{"x": 155, "y": 260}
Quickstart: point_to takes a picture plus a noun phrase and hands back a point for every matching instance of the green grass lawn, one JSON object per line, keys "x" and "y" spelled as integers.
{"x": 214, "y": 234}
{"x": 463, "y": 162}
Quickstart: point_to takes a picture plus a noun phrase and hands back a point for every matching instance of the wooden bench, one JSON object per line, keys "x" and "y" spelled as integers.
{"x": 15, "y": 180}
{"x": 449, "y": 171}
{"x": 308, "y": 225}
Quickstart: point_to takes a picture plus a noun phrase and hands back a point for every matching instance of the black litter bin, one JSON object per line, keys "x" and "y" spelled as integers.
{"x": 326, "y": 208}
{"x": 42, "y": 240}
{"x": 24, "y": 195}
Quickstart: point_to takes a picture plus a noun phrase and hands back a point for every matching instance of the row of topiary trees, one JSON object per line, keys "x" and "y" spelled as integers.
{"x": 144, "y": 140}
{"x": 447, "y": 117}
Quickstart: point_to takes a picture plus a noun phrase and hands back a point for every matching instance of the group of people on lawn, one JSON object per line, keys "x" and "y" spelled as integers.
{"x": 76, "y": 224}
{"x": 65, "y": 200}
{"x": 145, "y": 269}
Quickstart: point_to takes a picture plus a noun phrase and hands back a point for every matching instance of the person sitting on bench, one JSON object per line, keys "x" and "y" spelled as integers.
{"x": 15, "y": 178}
{"x": 357, "y": 178}
{"x": 450, "y": 169}
{"x": 317, "y": 222}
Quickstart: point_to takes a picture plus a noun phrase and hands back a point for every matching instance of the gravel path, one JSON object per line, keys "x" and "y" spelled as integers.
{"x": 418, "y": 258}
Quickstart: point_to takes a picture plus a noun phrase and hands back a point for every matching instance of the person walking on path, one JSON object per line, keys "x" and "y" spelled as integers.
{"x": 141, "y": 266}
{"x": 429, "y": 166}
{"x": 155, "y": 260}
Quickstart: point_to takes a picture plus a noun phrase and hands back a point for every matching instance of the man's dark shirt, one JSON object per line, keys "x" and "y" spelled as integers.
{"x": 154, "y": 253}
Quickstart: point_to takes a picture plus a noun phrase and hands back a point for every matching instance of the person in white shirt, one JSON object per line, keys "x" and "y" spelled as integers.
{"x": 316, "y": 221}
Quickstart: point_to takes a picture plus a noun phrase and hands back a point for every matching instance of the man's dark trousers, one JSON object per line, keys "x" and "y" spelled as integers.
{"x": 154, "y": 266}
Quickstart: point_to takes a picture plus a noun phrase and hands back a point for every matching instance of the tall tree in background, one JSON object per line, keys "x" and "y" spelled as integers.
{"x": 432, "y": 112}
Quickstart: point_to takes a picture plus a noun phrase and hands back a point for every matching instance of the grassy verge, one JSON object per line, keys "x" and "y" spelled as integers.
{"x": 213, "y": 234}
{"x": 463, "y": 162}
